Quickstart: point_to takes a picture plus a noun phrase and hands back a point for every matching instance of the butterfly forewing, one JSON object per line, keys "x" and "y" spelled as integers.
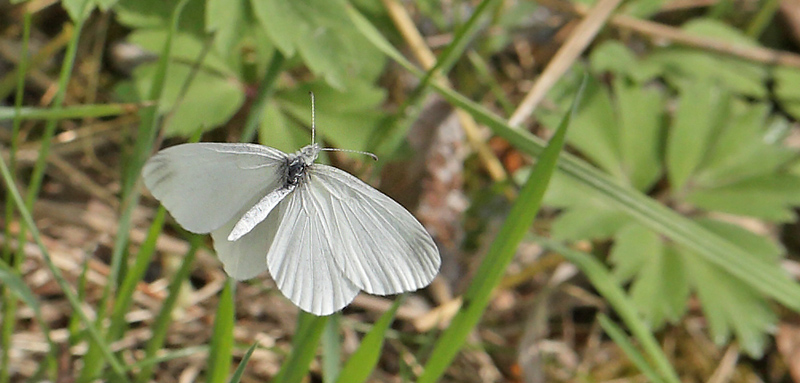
{"x": 204, "y": 185}
{"x": 378, "y": 244}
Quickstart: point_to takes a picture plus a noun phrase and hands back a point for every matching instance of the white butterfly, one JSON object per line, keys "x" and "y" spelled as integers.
{"x": 323, "y": 234}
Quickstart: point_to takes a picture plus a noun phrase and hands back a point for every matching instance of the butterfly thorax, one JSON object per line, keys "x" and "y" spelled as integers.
{"x": 297, "y": 163}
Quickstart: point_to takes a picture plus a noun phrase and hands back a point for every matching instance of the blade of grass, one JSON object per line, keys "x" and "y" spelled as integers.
{"x": 265, "y": 91}
{"x": 360, "y": 365}
{"x": 607, "y": 286}
{"x": 135, "y": 274}
{"x": 618, "y": 336}
{"x": 14, "y": 259}
{"x": 149, "y": 120}
{"x": 63, "y": 113}
{"x": 221, "y": 347}
{"x": 161, "y": 323}
{"x": 237, "y": 375}
{"x": 13, "y": 283}
{"x": 27, "y": 219}
{"x": 499, "y": 255}
{"x": 304, "y": 347}
{"x": 331, "y": 349}
{"x": 764, "y": 276}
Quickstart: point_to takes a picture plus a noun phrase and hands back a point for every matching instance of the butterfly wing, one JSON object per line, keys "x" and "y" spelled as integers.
{"x": 377, "y": 244}
{"x": 301, "y": 259}
{"x": 245, "y": 257}
{"x": 204, "y": 185}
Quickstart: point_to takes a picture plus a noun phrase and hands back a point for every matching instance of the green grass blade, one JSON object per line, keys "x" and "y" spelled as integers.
{"x": 63, "y": 113}
{"x": 13, "y": 283}
{"x": 221, "y": 347}
{"x": 304, "y": 348}
{"x": 499, "y": 255}
{"x": 149, "y": 119}
{"x": 161, "y": 323}
{"x": 363, "y": 361}
{"x": 331, "y": 349}
{"x": 75, "y": 304}
{"x": 237, "y": 375}
{"x": 621, "y": 339}
{"x": 607, "y": 286}
{"x": 265, "y": 91}
{"x": 13, "y": 258}
{"x": 124, "y": 296}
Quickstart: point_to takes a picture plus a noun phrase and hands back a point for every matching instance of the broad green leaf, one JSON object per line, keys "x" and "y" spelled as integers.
{"x": 595, "y": 131}
{"x": 735, "y": 144}
{"x": 640, "y": 111}
{"x": 321, "y": 32}
{"x": 588, "y": 222}
{"x": 661, "y": 289}
{"x": 227, "y": 20}
{"x": 158, "y": 13}
{"x": 78, "y": 9}
{"x": 613, "y": 56}
{"x": 685, "y": 64}
{"x": 787, "y": 89}
{"x": 769, "y": 197}
{"x": 691, "y": 131}
{"x": 634, "y": 246}
{"x": 277, "y": 131}
{"x": 187, "y": 48}
{"x": 344, "y": 119}
{"x": 210, "y": 101}
{"x": 731, "y": 307}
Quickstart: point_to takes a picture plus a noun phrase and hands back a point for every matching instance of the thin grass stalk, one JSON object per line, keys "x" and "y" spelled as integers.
{"x": 13, "y": 259}
{"x": 130, "y": 193}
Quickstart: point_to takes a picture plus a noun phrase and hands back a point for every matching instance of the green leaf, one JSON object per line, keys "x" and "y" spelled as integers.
{"x": 210, "y": 101}
{"x": 344, "y": 118}
{"x": 227, "y": 19}
{"x": 730, "y": 307}
{"x": 187, "y": 48}
{"x": 634, "y": 246}
{"x": 78, "y": 9}
{"x": 692, "y": 128}
{"x": 221, "y": 347}
{"x": 321, "y": 32}
{"x": 158, "y": 14}
{"x": 769, "y": 197}
{"x": 360, "y": 365}
{"x": 595, "y": 131}
{"x": 588, "y": 222}
{"x": 613, "y": 56}
{"x": 741, "y": 148}
{"x": 641, "y": 132}
{"x": 278, "y": 132}
{"x": 787, "y": 89}
{"x": 661, "y": 288}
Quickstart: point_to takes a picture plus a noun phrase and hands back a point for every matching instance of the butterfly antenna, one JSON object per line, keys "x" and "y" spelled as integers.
{"x": 371, "y": 155}
{"x": 314, "y": 130}
{"x": 313, "y": 119}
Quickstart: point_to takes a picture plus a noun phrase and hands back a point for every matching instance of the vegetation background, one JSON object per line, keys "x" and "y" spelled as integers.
{"x": 665, "y": 249}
